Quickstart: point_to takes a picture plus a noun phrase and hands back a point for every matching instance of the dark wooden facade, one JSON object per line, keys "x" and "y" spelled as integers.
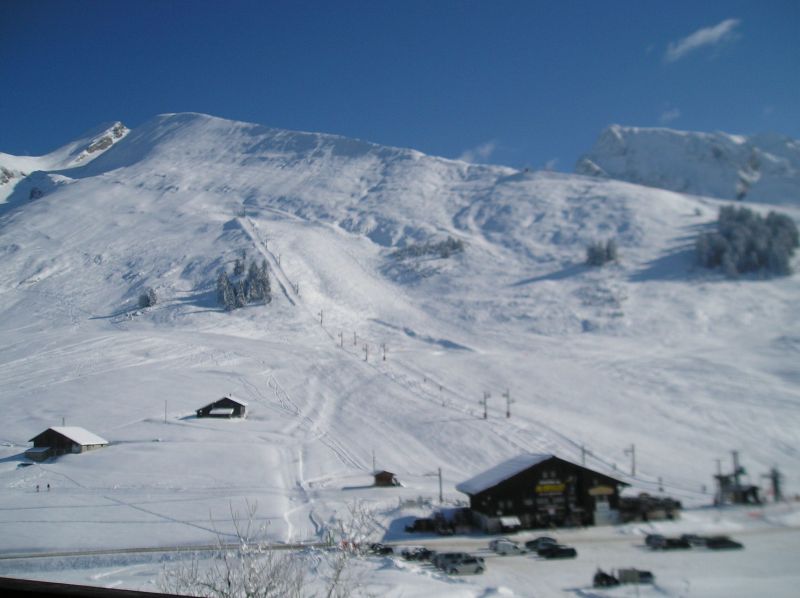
{"x": 386, "y": 478}
{"x": 550, "y": 492}
{"x": 224, "y": 407}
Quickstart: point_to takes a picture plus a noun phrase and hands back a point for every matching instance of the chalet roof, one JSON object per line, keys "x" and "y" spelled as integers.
{"x": 500, "y": 473}
{"x": 237, "y": 401}
{"x": 508, "y": 469}
{"x": 76, "y": 434}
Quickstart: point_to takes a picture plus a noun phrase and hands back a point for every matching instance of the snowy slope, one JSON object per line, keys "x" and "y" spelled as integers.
{"x": 77, "y": 153}
{"x": 650, "y": 351}
{"x": 761, "y": 168}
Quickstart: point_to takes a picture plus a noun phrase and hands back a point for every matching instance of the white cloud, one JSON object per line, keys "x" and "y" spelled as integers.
{"x": 480, "y": 153}
{"x": 669, "y": 115}
{"x": 710, "y": 36}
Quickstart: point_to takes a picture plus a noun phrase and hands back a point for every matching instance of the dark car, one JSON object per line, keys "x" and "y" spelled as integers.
{"x": 604, "y": 580}
{"x": 378, "y": 548}
{"x": 675, "y": 543}
{"x": 540, "y": 542}
{"x": 558, "y": 551}
{"x": 546, "y": 548}
{"x": 722, "y": 543}
{"x": 655, "y": 540}
{"x": 694, "y": 539}
{"x": 418, "y": 553}
{"x": 635, "y": 576}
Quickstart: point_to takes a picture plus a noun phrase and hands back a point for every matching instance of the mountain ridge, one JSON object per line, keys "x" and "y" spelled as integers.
{"x": 649, "y": 350}
{"x": 761, "y": 168}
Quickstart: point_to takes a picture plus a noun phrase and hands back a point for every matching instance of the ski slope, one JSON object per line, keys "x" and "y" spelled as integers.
{"x": 649, "y": 351}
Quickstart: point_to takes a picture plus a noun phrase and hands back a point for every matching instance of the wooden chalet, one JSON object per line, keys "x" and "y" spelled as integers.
{"x": 61, "y": 440}
{"x": 385, "y": 479}
{"x": 535, "y": 491}
{"x": 225, "y": 407}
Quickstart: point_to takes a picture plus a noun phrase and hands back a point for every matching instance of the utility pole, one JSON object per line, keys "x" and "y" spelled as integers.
{"x": 775, "y": 478}
{"x": 486, "y": 397}
{"x": 632, "y": 452}
{"x": 366, "y": 352}
{"x": 720, "y": 497}
{"x": 441, "y": 498}
{"x": 383, "y": 346}
{"x": 737, "y": 471}
{"x": 320, "y": 317}
{"x": 507, "y": 395}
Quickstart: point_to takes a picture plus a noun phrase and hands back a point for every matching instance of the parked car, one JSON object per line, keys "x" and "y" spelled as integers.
{"x": 722, "y": 543}
{"x": 655, "y": 540}
{"x": 493, "y": 543}
{"x": 540, "y": 542}
{"x": 443, "y": 560}
{"x": 558, "y": 551}
{"x": 505, "y": 547}
{"x": 378, "y": 548}
{"x": 635, "y": 576}
{"x": 470, "y": 564}
{"x": 604, "y": 580}
{"x": 545, "y": 548}
{"x": 417, "y": 553}
{"x": 675, "y": 543}
{"x": 694, "y": 539}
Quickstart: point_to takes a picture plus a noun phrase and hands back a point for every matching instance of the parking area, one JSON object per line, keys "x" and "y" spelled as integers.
{"x": 766, "y": 565}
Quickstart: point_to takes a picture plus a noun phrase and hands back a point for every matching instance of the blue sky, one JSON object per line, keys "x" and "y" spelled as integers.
{"x": 522, "y": 83}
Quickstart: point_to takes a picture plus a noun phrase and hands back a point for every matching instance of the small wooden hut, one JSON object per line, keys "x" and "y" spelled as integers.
{"x": 226, "y": 407}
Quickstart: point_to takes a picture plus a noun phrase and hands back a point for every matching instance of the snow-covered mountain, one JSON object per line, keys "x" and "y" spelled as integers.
{"x": 77, "y": 153}
{"x": 761, "y": 168}
{"x": 650, "y": 351}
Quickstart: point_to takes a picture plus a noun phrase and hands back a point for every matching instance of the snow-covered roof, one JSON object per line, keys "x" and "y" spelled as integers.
{"x": 78, "y": 435}
{"x": 499, "y": 473}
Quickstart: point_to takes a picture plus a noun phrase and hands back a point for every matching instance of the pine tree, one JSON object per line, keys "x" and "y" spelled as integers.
{"x": 148, "y": 298}
{"x": 264, "y": 277}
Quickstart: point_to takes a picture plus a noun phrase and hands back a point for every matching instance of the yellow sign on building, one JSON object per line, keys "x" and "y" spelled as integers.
{"x": 550, "y": 488}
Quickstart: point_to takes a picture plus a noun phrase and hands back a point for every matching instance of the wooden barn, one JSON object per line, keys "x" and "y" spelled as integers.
{"x": 386, "y": 479}
{"x": 63, "y": 439}
{"x": 225, "y": 407}
{"x": 541, "y": 491}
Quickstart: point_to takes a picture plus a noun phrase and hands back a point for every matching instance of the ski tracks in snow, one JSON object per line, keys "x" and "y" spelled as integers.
{"x": 249, "y": 227}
